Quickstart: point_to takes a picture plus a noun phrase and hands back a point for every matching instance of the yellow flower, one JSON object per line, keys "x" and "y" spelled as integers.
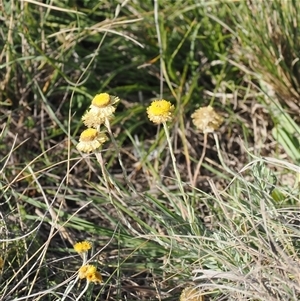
{"x": 82, "y": 271}
{"x": 102, "y": 108}
{"x": 90, "y": 273}
{"x": 160, "y": 111}
{"x": 86, "y": 269}
{"x": 82, "y": 247}
{"x": 90, "y": 140}
{"x": 191, "y": 294}
{"x": 95, "y": 277}
{"x": 206, "y": 119}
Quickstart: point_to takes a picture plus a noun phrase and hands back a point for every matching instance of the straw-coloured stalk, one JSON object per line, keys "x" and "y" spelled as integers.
{"x": 206, "y": 121}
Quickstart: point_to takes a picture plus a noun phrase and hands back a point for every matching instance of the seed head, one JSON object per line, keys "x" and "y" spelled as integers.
{"x": 206, "y": 119}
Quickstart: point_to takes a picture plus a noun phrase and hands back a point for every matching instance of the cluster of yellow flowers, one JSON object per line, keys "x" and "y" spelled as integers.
{"x": 102, "y": 109}
{"x": 87, "y": 271}
{"x": 100, "y": 112}
{"x": 90, "y": 273}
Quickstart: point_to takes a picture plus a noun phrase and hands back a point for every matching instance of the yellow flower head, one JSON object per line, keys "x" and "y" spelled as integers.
{"x": 85, "y": 269}
{"x": 90, "y": 273}
{"x": 206, "y": 119}
{"x": 82, "y": 247}
{"x": 82, "y": 271}
{"x": 160, "y": 111}
{"x": 90, "y": 140}
{"x": 191, "y": 294}
{"x": 102, "y": 108}
{"x": 95, "y": 277}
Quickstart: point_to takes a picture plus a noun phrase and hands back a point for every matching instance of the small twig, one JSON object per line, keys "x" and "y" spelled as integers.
{"x": 159, "y": 41}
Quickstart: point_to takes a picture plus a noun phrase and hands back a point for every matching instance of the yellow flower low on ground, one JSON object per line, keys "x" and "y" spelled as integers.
{"x": 82, "y": 247}
{"x": 191, "y": 294}
{"x": 94, "y": 277}
{"x": 82, "y": 271}
{"x": 90, "y": 273}
{"x": 160, "y": 111}
{"x": 206, "y": 119}
{"x": 102, "y": 108}
{"x": 90, "y": 140}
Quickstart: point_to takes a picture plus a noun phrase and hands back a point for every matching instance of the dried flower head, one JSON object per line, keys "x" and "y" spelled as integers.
{"x": 160, "y": 111}
{"x": 90, "y": 273}
{"x": 82, "y": 247}
{"x": 191, "y": 294}
{"x": 102, "y": 108}
{"x": 206, "y": 119}
{"x": 90, "y": 140}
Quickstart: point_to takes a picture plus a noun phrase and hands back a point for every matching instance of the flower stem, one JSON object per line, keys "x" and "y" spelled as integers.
{"x": 220, "y": 156}
{"x": 200, "y": 161}
{"x": 84, "y": 290}
{"x": 69, "y": 288}
{"x": 185, "y": 212}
